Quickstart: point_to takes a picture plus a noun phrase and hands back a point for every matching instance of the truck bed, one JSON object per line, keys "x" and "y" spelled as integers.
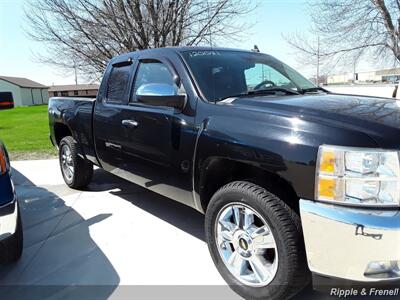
{"x": 74, "y": 114}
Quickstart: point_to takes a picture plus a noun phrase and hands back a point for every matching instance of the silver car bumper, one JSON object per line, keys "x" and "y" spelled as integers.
{"x": 351, "y": 243}
{"x": 8, "y": 219}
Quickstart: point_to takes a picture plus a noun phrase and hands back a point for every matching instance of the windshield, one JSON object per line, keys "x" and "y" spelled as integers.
{"x": 222, "y": 73}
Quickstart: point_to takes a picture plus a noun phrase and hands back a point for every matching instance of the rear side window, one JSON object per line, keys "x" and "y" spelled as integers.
{"x": 118, "y": 83}
{"x": 152, "y": 72}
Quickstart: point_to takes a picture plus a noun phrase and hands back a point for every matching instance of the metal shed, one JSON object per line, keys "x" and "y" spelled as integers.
{"x": 25, "y": 92}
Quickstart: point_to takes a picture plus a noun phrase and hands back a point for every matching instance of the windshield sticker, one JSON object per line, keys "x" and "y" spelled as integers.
{"x": 203, "y": 53}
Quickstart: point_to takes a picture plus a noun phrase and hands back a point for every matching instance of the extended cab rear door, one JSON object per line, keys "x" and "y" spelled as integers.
{"x": 108, "y": 114}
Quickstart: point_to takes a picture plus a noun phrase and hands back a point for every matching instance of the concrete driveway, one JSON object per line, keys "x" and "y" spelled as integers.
{"x": 116, "y": 240}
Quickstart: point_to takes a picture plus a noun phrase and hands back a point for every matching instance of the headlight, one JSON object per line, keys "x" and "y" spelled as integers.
{"x": 358, "y": 176}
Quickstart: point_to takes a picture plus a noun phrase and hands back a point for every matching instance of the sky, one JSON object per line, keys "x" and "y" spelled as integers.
{"x": 272, "y": 19}
{"x": 16, "y": 49}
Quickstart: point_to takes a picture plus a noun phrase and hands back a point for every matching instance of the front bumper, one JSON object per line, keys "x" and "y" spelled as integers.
{"x": 8, "y": 219}
{"x": 345, "y": 242}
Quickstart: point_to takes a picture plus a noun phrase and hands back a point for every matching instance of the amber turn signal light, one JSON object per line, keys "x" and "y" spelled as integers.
{"x": 3, "y": 161}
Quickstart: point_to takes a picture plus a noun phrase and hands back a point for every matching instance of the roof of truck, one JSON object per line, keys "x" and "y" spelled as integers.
{"x": 205, "y": 48}
{"x": 181, "y": 49}
{"x": 195, "y": 48}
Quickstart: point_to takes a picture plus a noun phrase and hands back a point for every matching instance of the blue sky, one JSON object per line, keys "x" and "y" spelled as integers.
{"x": 272, "y": 18}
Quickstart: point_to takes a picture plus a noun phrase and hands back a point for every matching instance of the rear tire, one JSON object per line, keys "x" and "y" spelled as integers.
{"x": 11, "y": 247}
{"x": 77, "y": 171}
{"x": 283, "y": 272}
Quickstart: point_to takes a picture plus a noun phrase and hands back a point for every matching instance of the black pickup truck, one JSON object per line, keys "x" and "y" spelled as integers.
{"x": 291, "y": 178}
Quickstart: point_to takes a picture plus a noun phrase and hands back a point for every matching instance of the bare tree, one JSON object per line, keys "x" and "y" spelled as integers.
{"x": 349, "y": 29}
{"x": 87, "y": 33}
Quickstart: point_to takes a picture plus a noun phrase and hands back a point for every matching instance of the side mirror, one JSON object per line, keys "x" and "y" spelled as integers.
{"x": 161, "y": 94}
{"x": 6, "y": 100}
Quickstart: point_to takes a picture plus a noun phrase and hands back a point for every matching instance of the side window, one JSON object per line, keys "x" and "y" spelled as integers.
{"x": 118, "y": 83}
{"x": 152, "y": 72}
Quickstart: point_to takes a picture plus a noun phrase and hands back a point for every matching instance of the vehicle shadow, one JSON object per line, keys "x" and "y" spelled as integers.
{"x": 170, "y": 211}
{"x": 175, "y": 213}
{"x": 60, "y": 259}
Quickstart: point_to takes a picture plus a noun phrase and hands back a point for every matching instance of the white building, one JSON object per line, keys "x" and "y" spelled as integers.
{"x": 340, "y": 78}
{"x": 25, "y": 92}
{"x": 375, "y": 76}
{"x": 74, "y": 90}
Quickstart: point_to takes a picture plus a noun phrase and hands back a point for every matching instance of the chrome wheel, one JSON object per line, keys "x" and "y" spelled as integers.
{"x": 246, "y": 244}
{"x": 67, "y": 163}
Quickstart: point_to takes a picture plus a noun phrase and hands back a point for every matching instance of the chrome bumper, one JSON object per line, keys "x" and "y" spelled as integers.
{"x": 345, "y": 242}
{"x": 8, "y": 219}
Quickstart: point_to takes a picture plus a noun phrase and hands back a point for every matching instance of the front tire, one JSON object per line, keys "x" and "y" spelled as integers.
{"x": 256, "y": 242}
{"x": 77, "y": 172}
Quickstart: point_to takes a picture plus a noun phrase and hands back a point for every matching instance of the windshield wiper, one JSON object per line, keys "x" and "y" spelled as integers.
{"x": 313, "y": 89}
{"x": 268, "y": 91}
{"x": 273, "y": 90}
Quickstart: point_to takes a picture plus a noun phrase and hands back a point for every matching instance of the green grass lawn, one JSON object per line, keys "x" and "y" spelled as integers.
{"x": 25, "y": 131}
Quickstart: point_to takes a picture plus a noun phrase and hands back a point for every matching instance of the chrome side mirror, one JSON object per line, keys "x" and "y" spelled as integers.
{"x": 161, "y": 94}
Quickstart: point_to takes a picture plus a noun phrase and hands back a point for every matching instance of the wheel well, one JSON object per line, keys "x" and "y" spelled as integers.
{"x": 61, "y": 131}
{"x": 219, "y": 172}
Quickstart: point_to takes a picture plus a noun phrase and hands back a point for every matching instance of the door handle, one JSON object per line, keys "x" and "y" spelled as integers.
{"x": 130, "y": 123}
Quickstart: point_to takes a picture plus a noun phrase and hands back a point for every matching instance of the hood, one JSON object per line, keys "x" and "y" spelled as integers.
{"x": 377, "y": 117}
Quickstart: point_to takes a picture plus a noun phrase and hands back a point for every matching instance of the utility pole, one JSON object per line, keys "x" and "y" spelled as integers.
{"x": 76, "y": 74}
{"x": 318, "y": 60}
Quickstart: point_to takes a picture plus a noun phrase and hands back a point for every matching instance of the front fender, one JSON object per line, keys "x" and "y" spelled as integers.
{"x": 282, "y": 145}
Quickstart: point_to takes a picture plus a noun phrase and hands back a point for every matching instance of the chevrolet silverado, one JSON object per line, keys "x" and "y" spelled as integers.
{"x": 293, "y": 180}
